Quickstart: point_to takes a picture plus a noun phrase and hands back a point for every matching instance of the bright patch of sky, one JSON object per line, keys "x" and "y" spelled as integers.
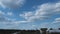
{"x": 29, "y": 14}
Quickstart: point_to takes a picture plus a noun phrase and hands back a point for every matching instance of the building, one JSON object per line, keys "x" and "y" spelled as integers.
{"x": 54, "y": 31}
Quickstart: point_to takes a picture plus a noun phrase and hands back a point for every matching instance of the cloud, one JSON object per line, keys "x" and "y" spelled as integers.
{"x": 8, "y": 23}
{"x": 57, "y": 20}
{"x": 4, "y": 19}
{"x": 11, "y": 3}
{"x": 44, "y": 25}
{"x": 26, "y": 15}
{"x": 43, "y": 12}
{"x": 54, "y": 24}
{"x": 20, "y": 22}
{"x": 9, "y": 13}
{"x": 1, "y": 13}
{"x": 6, "y": 13}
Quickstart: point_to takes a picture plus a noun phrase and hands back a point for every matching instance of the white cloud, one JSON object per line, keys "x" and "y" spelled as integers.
{"x": 9, "y": 13}
{"x": 11, "y": 3}
{"x": 4, "y": 19}
{"x": 57, "y": 20}
{"x": 19, "y": 22}
{"x": 26, "y": 15}
{"x": 2, "y": 5}
{"x": 1, "y": 13}
{"x": 44, "y": 12}
{"x": 44, "y": 25}
{"x": 54, "y": 24}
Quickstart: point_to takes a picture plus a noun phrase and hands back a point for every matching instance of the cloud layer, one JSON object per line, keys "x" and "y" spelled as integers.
{"x": 11, "y": 3}
{"x": 43, "y": 12}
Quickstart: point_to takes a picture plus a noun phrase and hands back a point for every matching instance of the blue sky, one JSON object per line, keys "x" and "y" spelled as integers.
{"x": 29, "y": 14}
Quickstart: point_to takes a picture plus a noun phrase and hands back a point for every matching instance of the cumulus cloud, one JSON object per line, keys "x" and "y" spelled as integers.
{"x": 43, "y": 12}
{"x": 9, "y": 13}
{"x": 54, "y": 24}
{"x": 4, "y": 19}
{"x": 7, "y": 22}
{"x": 26, "y": 15}
{"x": 1, "y": 13}
{"x": 44, "y": 25}
{"x": 57, "y": 20}
{"x": 11, "y": 3}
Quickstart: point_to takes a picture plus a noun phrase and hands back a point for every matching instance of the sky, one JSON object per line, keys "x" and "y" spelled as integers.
{"x": 29, "y": 14}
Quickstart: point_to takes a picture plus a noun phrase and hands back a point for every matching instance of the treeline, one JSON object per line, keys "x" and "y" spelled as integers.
{"x": 13, "y": 31}
{"x": 41, "y": 31}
